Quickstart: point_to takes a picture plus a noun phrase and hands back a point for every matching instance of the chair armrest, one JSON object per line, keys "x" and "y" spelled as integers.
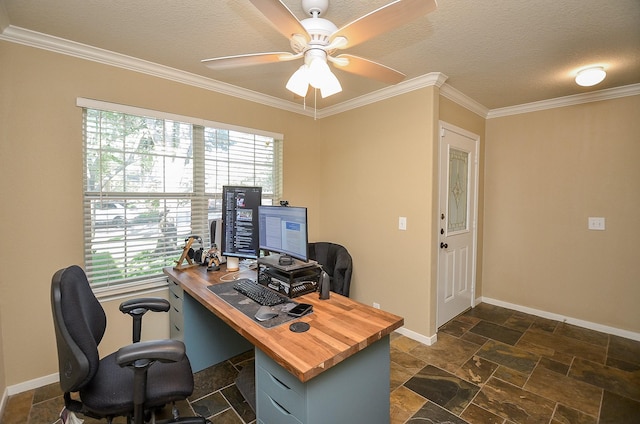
{"x": 136, "y": 308}
{"x": 153, "y": 350}
{"x": 154, "y": 304}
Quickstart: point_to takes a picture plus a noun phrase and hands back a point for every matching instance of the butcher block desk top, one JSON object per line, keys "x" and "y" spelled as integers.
{"x": 340, "y": 327}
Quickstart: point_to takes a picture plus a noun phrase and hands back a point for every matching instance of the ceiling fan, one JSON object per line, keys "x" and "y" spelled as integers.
{"x": 316, "y": 40}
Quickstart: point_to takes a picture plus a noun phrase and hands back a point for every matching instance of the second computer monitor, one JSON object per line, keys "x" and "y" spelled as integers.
{"x": 283, "y": 230}
{"x": 240, "y": 221}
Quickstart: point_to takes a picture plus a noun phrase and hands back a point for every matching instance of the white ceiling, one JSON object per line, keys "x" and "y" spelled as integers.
{"x": 499, "y": 53}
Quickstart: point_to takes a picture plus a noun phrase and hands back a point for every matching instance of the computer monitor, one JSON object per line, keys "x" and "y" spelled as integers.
{"x": 240, "y": 221}
{"x": 283, "y": 230}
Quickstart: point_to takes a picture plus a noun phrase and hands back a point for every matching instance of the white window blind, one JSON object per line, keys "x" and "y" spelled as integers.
{"x": 150, "y": 182}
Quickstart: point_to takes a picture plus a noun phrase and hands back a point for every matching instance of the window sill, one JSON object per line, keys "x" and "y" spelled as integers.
{"x": 138, "y": 288}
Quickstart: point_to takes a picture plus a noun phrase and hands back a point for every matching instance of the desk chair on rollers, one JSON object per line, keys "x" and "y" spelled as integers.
{"x": 132, "y": 382}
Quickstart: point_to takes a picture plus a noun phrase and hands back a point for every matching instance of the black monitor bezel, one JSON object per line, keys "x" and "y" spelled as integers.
{"x": 223, "y": 241}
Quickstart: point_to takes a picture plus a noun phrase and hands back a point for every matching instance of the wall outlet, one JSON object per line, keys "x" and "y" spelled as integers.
{"x": 596, "y": 223}
{"x": 376, "y": 305}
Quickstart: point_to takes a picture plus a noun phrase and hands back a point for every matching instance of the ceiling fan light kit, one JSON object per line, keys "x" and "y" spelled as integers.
{"x": 299, "y": 82}
{"x": 316, "y": 39}
{"x": 315, "y": 73}
{"x": 591, "y": 75}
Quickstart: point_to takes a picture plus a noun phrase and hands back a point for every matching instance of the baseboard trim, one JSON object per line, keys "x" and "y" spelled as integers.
{"x": 569, "y": 320}
{"x": 32, "y": 384}
{"x": 417, "y": 336}
{"x": 3, "y": 401}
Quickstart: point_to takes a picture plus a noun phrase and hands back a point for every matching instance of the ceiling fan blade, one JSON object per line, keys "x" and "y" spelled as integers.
{"x": 366, "y": 68}
{"x": 386, "y": 18}
{"x": 227, "y": 62}
{"x": 281, "y": 17}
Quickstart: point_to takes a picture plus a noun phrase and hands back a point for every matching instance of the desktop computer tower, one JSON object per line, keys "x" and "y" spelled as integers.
{"x": 290, "y": 283}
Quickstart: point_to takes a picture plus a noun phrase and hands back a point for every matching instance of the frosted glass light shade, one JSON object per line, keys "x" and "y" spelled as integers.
{"x": 318, "y": 71}
{"x": 315, "y": 72}
{"x": 299, "y": 81}
{"x": 590, "y": 76}
{"x": 330, "y": 86}
{"x": 321, "y": 77}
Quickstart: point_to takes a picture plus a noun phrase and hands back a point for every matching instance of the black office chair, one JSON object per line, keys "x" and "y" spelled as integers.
{"x": 336, "y": 261}
{"x": 132, "y": 382}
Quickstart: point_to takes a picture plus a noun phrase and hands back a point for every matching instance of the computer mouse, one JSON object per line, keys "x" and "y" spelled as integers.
{"x": 265, "y": 313}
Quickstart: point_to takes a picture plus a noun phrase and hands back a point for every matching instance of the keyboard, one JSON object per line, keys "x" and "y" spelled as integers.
{"x": 259, "y": 293}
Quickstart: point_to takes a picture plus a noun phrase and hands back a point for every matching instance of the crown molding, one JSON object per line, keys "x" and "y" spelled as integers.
{"x": 71, "y": 48}
{"x": 576, "y": 99}
{"x": 463, "y": 100}
{"x": 432, "y": 79}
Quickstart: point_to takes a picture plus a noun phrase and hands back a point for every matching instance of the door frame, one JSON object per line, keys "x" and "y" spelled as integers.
{"x": 442, "y": 127}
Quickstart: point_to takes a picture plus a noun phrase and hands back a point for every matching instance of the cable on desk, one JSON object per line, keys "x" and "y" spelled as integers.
{"x": 245, "y": 266}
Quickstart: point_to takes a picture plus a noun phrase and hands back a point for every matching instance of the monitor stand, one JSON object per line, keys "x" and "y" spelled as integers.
{"x": 274, "y": 260}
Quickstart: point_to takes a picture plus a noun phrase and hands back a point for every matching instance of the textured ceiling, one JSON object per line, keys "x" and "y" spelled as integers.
{"x": 499, "y": 53}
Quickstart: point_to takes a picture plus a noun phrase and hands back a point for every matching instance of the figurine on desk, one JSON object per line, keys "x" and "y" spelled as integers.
{"x": 213, "y": 260}
{"x": 209, "y": 258}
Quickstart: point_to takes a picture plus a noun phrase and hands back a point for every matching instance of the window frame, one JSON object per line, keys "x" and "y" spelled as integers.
{"x": 198, "y": 197}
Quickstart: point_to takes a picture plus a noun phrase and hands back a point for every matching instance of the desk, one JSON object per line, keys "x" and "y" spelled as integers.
{"x": 338, "y": 371}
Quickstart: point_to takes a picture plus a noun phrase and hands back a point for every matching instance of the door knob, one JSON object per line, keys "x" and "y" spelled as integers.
{"x": 443, "y": 245}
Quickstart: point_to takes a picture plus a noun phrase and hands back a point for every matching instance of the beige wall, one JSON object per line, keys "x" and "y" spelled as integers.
{"x": 41, "y": 180}
{"x": 546, "y": 173}
{"x": 378, "y": 164}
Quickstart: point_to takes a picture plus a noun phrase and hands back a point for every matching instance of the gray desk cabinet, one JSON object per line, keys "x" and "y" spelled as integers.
{"x": 354, "y": 391}
{"x": 208, "y": 339}
{"x": 176, "y": 316}
{"x": 323, "y": 386}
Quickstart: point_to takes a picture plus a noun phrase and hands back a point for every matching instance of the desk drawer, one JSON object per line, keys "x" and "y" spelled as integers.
{"x": 176, "y": 324}
{"x": 176, "y": 312}
{"x": 176, "y": 302}
{"x": 284, "y": 396}
{"x": 273, "y": 368}
{"x": 176, "y": 317}
{"x": 176, "y": 289}
{"x": 175, "y": 332}
{"x": 271, "y": 412}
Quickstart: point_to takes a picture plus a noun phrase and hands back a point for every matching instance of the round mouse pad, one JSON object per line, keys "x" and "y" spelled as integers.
{"x": 299, "y": 327}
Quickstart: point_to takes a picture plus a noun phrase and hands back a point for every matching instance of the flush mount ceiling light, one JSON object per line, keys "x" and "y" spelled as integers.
{"x": 590, "y": 76}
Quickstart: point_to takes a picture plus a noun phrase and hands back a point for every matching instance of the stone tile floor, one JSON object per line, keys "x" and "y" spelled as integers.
{"x": 489, "y": 365}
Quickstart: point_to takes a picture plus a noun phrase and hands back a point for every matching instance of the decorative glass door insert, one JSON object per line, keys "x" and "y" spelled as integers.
{"x": 458, "y": 190}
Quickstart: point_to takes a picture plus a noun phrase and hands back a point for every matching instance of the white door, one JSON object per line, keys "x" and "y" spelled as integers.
{"x": 457, "y": 221}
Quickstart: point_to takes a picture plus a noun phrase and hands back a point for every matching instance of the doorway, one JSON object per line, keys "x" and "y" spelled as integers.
{"x": 457, "y": 221}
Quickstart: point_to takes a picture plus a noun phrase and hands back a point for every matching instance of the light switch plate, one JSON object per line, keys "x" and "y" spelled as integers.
{"x": 596, "y": 223}
{"x": 402, "y": 223}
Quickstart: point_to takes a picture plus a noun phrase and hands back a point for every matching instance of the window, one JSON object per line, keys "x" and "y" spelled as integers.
{"x": 151, "y": 180}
